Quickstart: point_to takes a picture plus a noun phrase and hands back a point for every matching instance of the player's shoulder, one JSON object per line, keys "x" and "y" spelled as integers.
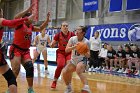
{"x": 74, "y": 38}
{"x": 86, "y": 40}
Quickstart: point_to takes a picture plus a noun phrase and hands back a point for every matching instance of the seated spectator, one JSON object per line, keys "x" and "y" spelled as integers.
{"x": 102, "y": 55}
{"x": 120, "y": 58}
{"x": 134, "y": 59}
{"x": 110, "y": 58}
{"x": 128, "y": 54}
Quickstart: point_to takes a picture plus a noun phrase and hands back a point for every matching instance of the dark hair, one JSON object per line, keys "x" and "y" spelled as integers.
{"x": 84, "y": 28}
{"x": 0, "y": 12}
{"x": 26, "y": 15}
{"x": 127, "y": 46}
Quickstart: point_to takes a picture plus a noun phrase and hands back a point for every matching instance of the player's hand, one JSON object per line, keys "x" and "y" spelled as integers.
{"x": 48, "y": 16}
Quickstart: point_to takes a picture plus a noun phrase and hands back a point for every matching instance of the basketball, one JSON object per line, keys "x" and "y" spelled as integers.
{"x": 82, "y": 48}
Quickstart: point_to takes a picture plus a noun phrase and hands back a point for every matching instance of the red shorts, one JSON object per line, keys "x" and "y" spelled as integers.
{"x": 62, "y": 57}
{"x": 14, "y": 51}
{"x": 2, "y": 59}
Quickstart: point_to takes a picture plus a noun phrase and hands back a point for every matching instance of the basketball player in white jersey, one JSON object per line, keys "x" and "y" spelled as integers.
{"x": 78, "y": 61}
{"x": 41, "y": 40}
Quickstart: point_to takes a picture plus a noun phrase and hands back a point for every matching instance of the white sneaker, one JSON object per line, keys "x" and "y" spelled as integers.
{"x": 126, "y": 71}
{"x": 93, "y": 70}
{"x": 103, "y": 68}
{"x": 68, "y": 89}
{"x": 90, "y": 70}
{"x": 120, "y": 70}
{"x": 137, "y": 73}
{"x": 86, "y": 88}
{"x": 96, "y": 68}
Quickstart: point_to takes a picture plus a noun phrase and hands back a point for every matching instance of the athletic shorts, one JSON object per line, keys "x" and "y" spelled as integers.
{"x": 2, "y": 59}
{"x": 41, "y": 49}
{"x": 84, "y": 61}
{"x": 18, "y": 52}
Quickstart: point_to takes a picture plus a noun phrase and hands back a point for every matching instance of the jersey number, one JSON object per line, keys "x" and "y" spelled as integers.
{"x": 42, "y": 43}
{"x": 27, "y": 37}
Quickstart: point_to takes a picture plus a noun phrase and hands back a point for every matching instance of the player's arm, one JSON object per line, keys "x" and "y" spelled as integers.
{"x": 69, "y": 46}
{"x": 49, "y": 41}
{"x": 55, "y": 40}
{"x": 35, "y": 41}
{"x": 44, "y": 24}
{"x": 21, "y": 14}
{"x": 14, "y": 22}
{"x": 53, "y": 43}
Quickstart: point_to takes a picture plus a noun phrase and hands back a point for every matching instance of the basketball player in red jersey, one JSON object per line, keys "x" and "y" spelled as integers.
{"x": 19, "y": 50}
{"x": 62, "y": 57}
{"x": 4, "y": 68}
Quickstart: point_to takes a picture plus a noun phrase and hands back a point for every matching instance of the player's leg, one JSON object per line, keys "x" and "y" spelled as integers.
{"x": 136, "y": 62}
{"x": 9, "y": 77}
{"x": 8, "y": 74}
{"x": 36, "y": 54}
{"x": 28, "y": 65}
{"x": 80, "y": 68}
{"x": 15, "y": 58}
{"x": 44, "y": 53}
{"x": 61, "y": 61}
{"x": 111, "y": 64}
{"x": 67, "y": 76}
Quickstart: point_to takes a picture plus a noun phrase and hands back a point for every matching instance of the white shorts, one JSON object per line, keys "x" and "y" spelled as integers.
{"x": 84, "y": 61}
{"x": 41, "y": 49}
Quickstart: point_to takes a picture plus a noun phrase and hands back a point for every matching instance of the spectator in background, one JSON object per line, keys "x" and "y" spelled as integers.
{"x": 128, "y": 54}
{"x": 120, "y": 58}
{"x": 95, "y": 47}
{"x": 134, "y": 59}
{"x": 110, "y": 58}
{"x": 102, "y": 55}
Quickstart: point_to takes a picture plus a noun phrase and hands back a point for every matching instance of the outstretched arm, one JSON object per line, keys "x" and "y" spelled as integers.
{"x": 44, "y": 24}
{"x": 21, "y": 14}
{"x": 15, "y": 22}
{"x": 49, "y": 41}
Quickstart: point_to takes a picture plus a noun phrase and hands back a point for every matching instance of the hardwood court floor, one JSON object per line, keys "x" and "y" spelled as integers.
{"x": 42, "y": 84}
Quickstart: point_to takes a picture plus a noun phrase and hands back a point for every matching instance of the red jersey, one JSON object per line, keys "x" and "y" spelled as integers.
{"x": 22, "y": 36}
{"x": 63, "y": 39}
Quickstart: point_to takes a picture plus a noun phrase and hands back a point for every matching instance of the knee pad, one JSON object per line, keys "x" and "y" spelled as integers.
{"x": 10, "y": 77}
{"x": 29, "y": 69}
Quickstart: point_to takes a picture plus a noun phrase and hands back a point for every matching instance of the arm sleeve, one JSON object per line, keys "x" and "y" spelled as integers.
{"x": 13, "y": 23}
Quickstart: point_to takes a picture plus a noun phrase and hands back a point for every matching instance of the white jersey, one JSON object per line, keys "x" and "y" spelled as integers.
{"x": 42, "y": 42}
{"x": 75, "y": 57}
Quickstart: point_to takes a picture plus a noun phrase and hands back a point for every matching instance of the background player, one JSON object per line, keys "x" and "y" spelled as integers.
{"x": 41, "y": 40}
{"x": 62, "y": 57}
